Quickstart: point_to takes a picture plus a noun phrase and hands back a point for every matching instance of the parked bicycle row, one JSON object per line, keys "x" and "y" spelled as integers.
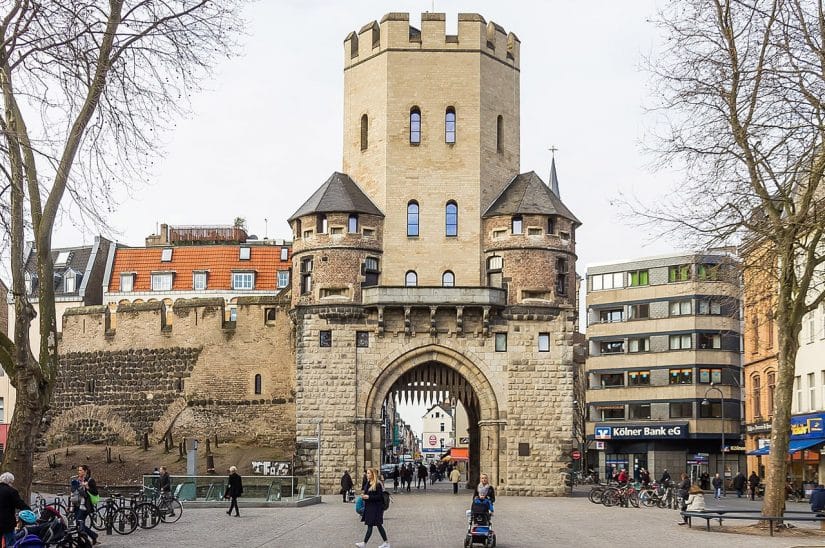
{"x": 62, "y": 520}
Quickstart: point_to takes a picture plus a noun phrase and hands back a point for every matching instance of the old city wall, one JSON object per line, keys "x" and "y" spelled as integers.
{"x": 194, "y": 376}
{"x": 532, "y": 391}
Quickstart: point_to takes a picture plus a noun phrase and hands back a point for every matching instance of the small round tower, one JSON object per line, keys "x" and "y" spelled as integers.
{"x": 529, "y": 239}
{"x": 337, "y": 244}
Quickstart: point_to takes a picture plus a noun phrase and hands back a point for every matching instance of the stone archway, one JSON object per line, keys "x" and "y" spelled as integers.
{"x": 485, "y": 423}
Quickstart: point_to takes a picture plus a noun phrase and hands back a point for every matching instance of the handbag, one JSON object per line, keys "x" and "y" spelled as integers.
{"x": 359, "y": 506}
{"x": 95, "y": 499}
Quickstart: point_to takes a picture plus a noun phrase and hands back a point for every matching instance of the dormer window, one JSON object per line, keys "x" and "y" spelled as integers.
{"x": 127, "y": 282}
{"x": 284, "y": 253}
{"x": 70, "y": 282}
{"x": 166, "y": 255}
{"x": 162, "y": 281}
{"x": 243, "y": 280}
{"x": 245, "y": 253}
{"x": 199, "y": 280}
{"x": 62, "y": 258}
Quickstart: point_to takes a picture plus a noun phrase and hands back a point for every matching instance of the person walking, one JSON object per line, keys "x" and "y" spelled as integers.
{"x": 83, "y": 488}
{"x": 234, "y": 489}
{"x": 9, "y": 502}
{"x": 665, "y": 478}
{"x": 395, "y": 477}
{"x": 717, "y": 487}
{"x": 433, "y": 473}
{"x": 164, "y": 481}
{"x": 346, "y": 485}
{"x": 422, "y": 476}
{"x": 374, "y": 509}
{"x": 739, "y": 484}
{"x": 455, "y": 477}
{"x": 753, "y": 483}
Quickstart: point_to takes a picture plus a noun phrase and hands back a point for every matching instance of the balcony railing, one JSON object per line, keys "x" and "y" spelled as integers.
{"x": 432, "y": 296}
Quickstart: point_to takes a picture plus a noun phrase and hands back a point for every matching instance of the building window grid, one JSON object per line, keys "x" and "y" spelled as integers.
{"x": 639, "y": 278}
{"x": 199, "y": 281}
{"x": 352, "y": 224}
{"x": 501, "y": 342}
{"x": 306, "y": 275}
{"x": 638, "y": 378}
{"x": 771, "y": 388}
{"x": 283, "y": 278}
{"x": 411, "y": 279}
{"x": 162, "y": 282}
{"x": 797, "y": 382}
{"x": 517, "y": 225}
{"x": 708, "y": 376}
{"x": 638, "y": 345}
{"x": 638, "y": 411}
{"x": 614, "y": 280}
{"x": 544, "y": 342}
{"x": 448, "y": 279}
{"x": 681, "y": 410}
{"x": 708, "y": 307}
{"x": 756, "y": 393}
{"x": 680, "y": 342}
{"x": 811, "y": 391}
{"x": 678, "y": 273}
{"x": 680, "y": 308}
{"x": 243, "y": 280}
{"x": 638, "y": 311}
{"x": 680, "y": 376}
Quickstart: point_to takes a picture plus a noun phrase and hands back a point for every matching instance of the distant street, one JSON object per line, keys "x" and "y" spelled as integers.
{"x": 436, "y": 519}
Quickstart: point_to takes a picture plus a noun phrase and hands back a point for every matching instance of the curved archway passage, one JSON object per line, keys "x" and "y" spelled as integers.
{"x": 432, "y": 384}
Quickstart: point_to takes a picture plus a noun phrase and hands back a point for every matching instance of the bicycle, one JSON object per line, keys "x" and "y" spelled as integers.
{"x": 114, "y": 511}
{"x": 169, "y": 507}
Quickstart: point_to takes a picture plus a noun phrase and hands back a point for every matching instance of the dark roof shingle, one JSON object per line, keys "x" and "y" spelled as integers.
{"x": 339, "y": 194}
{"x": 526, "y": 194}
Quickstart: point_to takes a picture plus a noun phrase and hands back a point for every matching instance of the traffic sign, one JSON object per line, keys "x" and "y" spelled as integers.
{"x": 576, "y": 454}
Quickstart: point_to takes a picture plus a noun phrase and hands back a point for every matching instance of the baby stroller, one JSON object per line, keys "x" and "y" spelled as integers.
{"x": 51, "y": 528}
{"x": 480, "y": 525}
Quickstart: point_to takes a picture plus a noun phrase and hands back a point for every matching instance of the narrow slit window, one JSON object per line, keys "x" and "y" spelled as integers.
{"x": 451, "y": 215}
{"x": 364, "y": 132}
{"x": 258, "y": 383}
{"x": 500, "y": 133}
{"x": 415, "y": 126}
{"x": 449, "y": 126}
{"x": 412, "y": 219}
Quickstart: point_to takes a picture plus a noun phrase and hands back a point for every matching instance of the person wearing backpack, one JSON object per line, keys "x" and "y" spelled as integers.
{"x": 9, "y": 502}
{"x": 374, "y": 505}
{"x": 84, "y": 496}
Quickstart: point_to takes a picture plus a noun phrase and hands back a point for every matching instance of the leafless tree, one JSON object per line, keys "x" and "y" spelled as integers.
{"x": 740, "y": 87}
{"x": 87, "y": 86}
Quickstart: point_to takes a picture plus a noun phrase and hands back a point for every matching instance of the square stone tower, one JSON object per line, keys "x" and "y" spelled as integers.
{"x": 431, "y": 119}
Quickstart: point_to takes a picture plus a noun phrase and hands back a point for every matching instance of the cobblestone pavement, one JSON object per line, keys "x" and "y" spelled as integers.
{"x": 436, "y": 519}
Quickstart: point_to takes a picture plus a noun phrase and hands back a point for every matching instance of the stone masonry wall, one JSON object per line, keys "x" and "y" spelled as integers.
{"x": 195, "y": 377}
{"x": 533, "y": 390}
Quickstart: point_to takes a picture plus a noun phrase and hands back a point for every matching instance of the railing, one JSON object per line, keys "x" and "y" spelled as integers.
{"x": 425, "y": 296}
{"x": 255, "y": 488}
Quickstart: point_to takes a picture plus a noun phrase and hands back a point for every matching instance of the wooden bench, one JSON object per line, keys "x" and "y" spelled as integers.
{"x": 750, "y": 515}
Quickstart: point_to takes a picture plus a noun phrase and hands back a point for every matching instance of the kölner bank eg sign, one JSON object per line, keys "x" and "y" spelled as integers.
{"x": 640, "y": 432}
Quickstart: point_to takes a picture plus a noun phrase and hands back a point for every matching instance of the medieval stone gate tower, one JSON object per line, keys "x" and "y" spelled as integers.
{"x": 431, "y": 264}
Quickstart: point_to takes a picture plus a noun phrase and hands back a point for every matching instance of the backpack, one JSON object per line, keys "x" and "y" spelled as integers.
{"x": 386, "y": 500}
{"x": 30, "y": 541}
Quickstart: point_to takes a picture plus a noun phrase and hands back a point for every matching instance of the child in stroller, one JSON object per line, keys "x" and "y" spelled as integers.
{"x": 51, "y": 529}
{"x": 480, "y": 522}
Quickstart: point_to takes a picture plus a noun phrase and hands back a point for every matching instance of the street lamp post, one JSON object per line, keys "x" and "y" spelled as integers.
{"x": 722, "y": 400}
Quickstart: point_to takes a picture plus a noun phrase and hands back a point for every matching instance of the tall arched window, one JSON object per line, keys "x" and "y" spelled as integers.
{"x": 412, "y": 218}
{"x": 500, "y": 133}
{"x": 364, "y": 132}
{"x": 448, "y": 279}
{"x": 415, "y": 126}
{"x": 449, "y": 126}
{"x": 756, "y": 383}
{"x": 258, "y": 383}
{"x": 411, "y": 279}
{"x": 451, "y": 218}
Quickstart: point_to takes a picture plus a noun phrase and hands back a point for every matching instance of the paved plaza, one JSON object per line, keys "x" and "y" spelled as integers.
{"x": 436, "y": 519}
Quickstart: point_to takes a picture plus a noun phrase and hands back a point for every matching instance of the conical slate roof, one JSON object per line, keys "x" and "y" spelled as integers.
{"x": 526, "y": 194}
{"x": 338, "y": 194}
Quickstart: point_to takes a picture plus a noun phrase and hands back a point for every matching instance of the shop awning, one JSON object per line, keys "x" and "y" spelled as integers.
{"x": 794, "y": 447}
{"x": 458, "y": 454}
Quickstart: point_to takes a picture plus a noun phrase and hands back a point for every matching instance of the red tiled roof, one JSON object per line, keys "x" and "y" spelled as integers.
{"x": 219, "y": 260}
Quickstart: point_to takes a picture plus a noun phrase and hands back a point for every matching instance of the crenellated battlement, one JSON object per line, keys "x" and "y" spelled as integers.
{"x": 155, "y": 324}
{"x": 394, "y": 32}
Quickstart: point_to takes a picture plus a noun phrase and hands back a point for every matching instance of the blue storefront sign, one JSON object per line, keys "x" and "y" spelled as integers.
{"x": 641, "y": 432}
{"x": 808, "y": 426}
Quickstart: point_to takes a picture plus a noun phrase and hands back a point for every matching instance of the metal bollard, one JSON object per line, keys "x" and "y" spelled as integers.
{"x": 109, "y": 517}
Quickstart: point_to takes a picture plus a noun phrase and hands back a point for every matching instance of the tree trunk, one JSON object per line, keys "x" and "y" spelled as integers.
{"x": 25, "y": 430}
{"x": 789, "y": 328}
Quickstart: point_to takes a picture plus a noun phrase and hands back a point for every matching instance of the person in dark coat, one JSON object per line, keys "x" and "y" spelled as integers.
{"x": 234, "y": 489}
{"x": 346, "y": 484}
{"x": 739, "y": 484}
{"x": 753, "y": 483}
{"x": 484, "y": 482}
{"x": 164, "y": 481}
{"x": 818, "y": 499}
{"x": 9, "y": 502}
{"x": 717, "y": 487}
{"x": 665, "y": 478}
{"x": 422, "y": 476}
{"x": 396, "y": 476}
{"x": 81, "y": 497}
{"x": 373, "y": 509}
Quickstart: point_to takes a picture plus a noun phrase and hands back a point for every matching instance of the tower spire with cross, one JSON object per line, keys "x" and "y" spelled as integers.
{"x": 553, "y": 181}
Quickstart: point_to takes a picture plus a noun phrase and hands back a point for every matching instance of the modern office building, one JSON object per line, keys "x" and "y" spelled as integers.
{"x": 663, "y": 367}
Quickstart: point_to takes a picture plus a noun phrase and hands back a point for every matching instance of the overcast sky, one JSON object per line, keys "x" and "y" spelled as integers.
{"x": 268, "y": 131}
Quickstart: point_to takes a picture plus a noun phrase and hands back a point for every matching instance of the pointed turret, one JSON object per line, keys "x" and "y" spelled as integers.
{"x": 554, "y": 179}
